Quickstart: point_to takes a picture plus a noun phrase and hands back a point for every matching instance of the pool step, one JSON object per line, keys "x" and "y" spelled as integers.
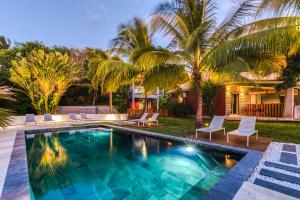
{"x": 279, "y": 188}
{"x": 280, "y": 176}
{"x": 284, "y": 167}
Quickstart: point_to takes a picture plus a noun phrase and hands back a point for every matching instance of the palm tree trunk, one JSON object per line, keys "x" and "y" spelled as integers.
{"x": 199, "y": 122}
{"x": 95, "y": 97}
{"x": 110, "y": 103}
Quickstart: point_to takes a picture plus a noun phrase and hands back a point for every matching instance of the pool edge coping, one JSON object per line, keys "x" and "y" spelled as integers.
{"x": 233, "y": 179}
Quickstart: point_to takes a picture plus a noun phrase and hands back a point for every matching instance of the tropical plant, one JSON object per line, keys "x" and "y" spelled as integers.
{"x": 290, "y": 75}
{"x": 201, "y": 46}
{"x": 94, "y": 59}
{"x": 5, "y": 114}
{"x": 4, "y": 43}
{"x": 121, "y": 98}
{"x": 44, "y": 78}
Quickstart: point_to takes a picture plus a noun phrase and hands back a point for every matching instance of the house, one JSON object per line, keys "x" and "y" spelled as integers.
{"x": 257, "y": 96}
{"x": 139, "y": 102}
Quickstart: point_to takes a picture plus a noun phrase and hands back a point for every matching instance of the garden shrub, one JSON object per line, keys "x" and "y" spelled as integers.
{"x": 180, "y": 110}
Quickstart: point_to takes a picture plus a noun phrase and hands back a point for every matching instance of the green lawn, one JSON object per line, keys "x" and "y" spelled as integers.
{"x": 278, "y": 131}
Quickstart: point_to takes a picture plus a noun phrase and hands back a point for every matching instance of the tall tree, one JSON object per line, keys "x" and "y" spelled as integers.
{"x": 44, "y": 78}
{"x": 94, "y": 59}
{"x": 132, "y": 41}
{"x": 201, "y": 45}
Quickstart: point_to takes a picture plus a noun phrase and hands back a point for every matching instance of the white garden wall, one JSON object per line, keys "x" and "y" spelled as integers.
{"x": 19, "y": 120}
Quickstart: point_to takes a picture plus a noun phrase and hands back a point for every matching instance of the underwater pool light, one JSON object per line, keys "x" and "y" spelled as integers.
{"x": 189, "y": 149}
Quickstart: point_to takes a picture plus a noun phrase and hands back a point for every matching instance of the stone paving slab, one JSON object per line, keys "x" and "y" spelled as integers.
{"x": 284, "y": 167}
{"x": 280, "y": 176}
{"x": 289, "y": 148}
{"x": 250, "y": 191}
{"x": 279, "y": 188}
{"x": 289, "y": 158}
{"x": 16, "y": 185}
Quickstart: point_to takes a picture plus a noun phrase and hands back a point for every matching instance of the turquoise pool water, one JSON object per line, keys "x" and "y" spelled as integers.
{"x": 99, "y": 164}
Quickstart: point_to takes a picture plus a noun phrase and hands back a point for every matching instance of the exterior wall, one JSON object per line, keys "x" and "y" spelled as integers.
{"x": 263, "y": 101}
{"x": 289, "y": 103}
{"x": 84, "y": 109}
{"x": 191, "y": 101}
{"x": 220, "y": 102}
{"x": 228, "y": 100}
{"x": 244, "y": 99}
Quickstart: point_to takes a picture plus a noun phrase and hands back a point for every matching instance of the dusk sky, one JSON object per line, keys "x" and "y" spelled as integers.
{"x": 74, "y": 23}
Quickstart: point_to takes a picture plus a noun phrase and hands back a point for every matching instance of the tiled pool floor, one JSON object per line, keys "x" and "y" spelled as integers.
{"x": 107, "y": 166}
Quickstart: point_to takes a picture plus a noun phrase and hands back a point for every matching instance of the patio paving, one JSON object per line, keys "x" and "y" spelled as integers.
{"x": 250, "y": 191}
{"x": 260, "y": 145}
{"x": 279, "y": 170}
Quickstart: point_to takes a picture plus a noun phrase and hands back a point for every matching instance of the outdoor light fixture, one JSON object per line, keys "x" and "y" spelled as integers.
{"x": 169, "y": 144}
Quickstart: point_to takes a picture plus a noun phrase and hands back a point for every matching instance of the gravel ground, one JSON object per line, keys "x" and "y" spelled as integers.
{"x": 272, "y": 154}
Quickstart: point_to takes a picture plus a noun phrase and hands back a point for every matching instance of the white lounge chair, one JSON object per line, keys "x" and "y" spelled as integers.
{"x": 48, "y": 118}
{"x": 133, "y": 121}
{"x": 83, "y": 116}
{"x": 73, "y": 117}
{"x": 30, "y": 118}
{"x": 152, "y": 119}
{"x": 246, "y": 129}
{"x": 215, "y": 125}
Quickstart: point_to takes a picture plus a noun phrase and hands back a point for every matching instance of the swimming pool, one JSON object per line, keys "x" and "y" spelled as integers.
{"x": 107, "y": 164}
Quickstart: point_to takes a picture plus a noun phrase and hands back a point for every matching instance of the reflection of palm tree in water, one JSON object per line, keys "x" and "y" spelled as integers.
{"x": 46, "y": 157}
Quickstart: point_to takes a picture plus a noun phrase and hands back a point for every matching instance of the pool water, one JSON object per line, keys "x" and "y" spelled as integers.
{"x": 104, "y": 164}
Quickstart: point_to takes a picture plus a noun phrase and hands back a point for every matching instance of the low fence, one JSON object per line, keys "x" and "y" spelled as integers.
{"x": 19, "y": 120}
{"x": 265, "y": 110}
{"x": 133, "y": 113}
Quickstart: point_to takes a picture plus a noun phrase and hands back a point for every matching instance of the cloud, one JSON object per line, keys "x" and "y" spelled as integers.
{"x": 93, "y": 11}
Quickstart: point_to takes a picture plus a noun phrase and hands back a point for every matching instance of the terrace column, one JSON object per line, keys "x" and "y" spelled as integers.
{"x": 132, "y": 96}
{"x": 157, "y": 99}
{"x": 289, "y": 103}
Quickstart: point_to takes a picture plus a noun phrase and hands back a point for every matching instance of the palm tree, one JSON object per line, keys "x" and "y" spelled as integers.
{"x": 5, "y": 114}
{"x": 198, "y": 43}
{"x": 95, "y": 73}
{"x": 94, "y": 58}
{"x": 132, "y": 41}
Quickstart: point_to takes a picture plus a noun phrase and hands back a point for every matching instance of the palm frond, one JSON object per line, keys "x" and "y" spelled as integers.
{"x": 236, "y": 19}
{"x": 115, "y": 74}
{"x": 6, "y": 116}
{"x": 152, "y": 59}
{"x": 264, "y": 24}
{"x": 274, "y": 41}
{"x": 172, "y": 75}
{"x": 279, "y": 7}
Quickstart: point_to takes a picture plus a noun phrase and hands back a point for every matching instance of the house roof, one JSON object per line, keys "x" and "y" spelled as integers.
{"x": 253, "y": 78}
